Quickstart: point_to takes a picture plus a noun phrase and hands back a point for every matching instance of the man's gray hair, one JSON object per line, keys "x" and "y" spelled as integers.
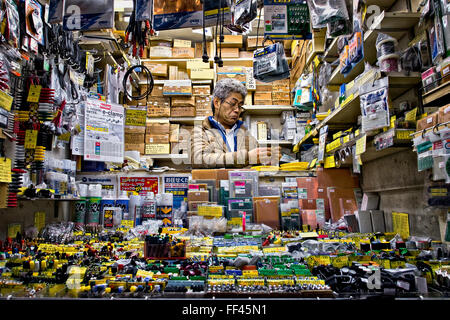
{"x": 225, "y": 87}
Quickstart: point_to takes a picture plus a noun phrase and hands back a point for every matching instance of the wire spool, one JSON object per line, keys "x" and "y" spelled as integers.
{"x": 389, "y": 63}
{"x": 385, "y": 47}
{"x": 150, "y": 82}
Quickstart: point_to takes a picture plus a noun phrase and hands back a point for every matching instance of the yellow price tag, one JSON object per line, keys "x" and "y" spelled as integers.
{"x": 136, "y": 117}
{"x": 34, "y": 94}
{"x": 5, "y": 170}
{"x": 313, "y": 163}
{"x": 329, "y": 162}
{"x": 361, "y": 145}
{"x": 6, "y": 101}
{"x": 347, "y": 100}
{"x": 13, "y": 229}
{"x": 346, "y": 139}
{"x": 411, "y": 115}
{"x": 211, "y": 211}
{"x": 403, "y": 134}
{"x": 31, "y": 139}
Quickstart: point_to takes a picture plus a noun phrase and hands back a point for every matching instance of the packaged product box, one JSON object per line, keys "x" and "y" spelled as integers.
{"x": 233, "y": 72}
{"x": 158, "y": 107}
{"x": 177, "y": 87}
{"x": 322, "y": 199}
{"x": 267, "y": 212}
{"x": 370, "y": 201}
{"x": 197, "y": 64}
{"x": 193, "y": 205}
{"x": 173, "y": 72}
{"x": 135, "y": 147}
{"x": 157, "y": 138}
{"x": 201, "y": 74}
{"x": 428, "y": 121}
{"x": 230, "y": 52}
{"x": 183, "y": 101}
{"x": 158, "y": 127}
{"x": 276, "y": 102}
{"x": 198, "y": 195}
{"x": 334, "y": 194}
{"x": 310, "y": 184}
{"x": 262, "y": 96}
{"x": 183, "y": 53}
{"x": 231, "y": 41}
{"x": 177, "y": 43}
{"x": 444, "y": 114}
{"x": 277, "y": 95}
{"x": 263, "y": 86}
{"x": 203, "y": 102}
{"x": 281, "y": 85}
{"x": 203, "y": 113}
{"x": 198, "y": 90}
{"x": 157, "y": 90}
{"x": 347, "y": 206}
{"x": 204, "y": 174}
{"x": 307, "y": 204}
{"x": 342, "y": 178}
{"x": 160, "y": 52}
{"x": 156, "y": 148}
{"x": 182, "y": 112}
{"x": 174, "y": 132}
{"x": 309, "y": 218}
{"x": 157, "y": 69}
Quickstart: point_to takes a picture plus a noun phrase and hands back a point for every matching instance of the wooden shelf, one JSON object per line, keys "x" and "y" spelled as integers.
{"x": 346, "y": 114}
{"x": 372, "y": 154}
{"x": 400, "y": 82}
{"x": 337, "y": 78}
{"x": 437, "y": 93}
{"x": 263, "y": 110}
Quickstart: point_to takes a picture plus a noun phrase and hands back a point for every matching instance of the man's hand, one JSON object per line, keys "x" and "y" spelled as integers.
{"x": 265, "y": 155}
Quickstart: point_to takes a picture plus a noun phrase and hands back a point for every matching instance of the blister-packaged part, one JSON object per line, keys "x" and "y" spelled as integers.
{"x": 144, "y": 10}
{"x": 243, "y": 184}
{"x": 374, "y": 97}
{"x": 245, "y": 11}
{"x": 441, "y": 168}
{"x": 356, "y": 49}
{"x": 270, "y": 63}
{"x": 88, "y": 15}
{"x": 55, "y": 11}
{"x": 327, "y": 11}
{"x": 12, "y": 15}
{"x": 282, "y": 18}
{"x": 240, "y": 203}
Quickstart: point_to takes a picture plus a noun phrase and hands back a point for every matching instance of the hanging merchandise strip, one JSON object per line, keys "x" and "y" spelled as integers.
{"x": 138, "y": 30}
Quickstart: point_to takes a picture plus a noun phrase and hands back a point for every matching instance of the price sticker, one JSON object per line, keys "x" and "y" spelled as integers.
{"x": 34, "y": 94}
{"x": 31, "y": 139}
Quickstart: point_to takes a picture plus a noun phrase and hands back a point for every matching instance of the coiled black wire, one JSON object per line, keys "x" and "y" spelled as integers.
{"x": 150, "y": 82}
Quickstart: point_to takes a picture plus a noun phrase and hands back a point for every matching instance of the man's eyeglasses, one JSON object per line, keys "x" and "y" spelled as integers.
{"x": 235, "y": 105}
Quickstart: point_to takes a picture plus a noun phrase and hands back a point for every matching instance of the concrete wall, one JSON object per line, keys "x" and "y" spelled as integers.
{"x": 403, "y": 189}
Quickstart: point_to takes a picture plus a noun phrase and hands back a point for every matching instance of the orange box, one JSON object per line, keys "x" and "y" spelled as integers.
{"x": 309, "y": 218}
{"x": 309, "y": 183}
{"x": 307, "y": 204}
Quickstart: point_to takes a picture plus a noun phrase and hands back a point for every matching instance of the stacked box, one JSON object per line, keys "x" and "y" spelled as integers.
{"x": 157, "y": 69}
{"x": 157, "y": 132}
{"x": 203, "y": 106}
{"x": 201, "y": 90}
{"x": 158, "y": 107}
{"x": 232, "y": 72}
{"x": 183, "y": 107}
{"x": 183, "y": 53}
{"x": 281, "y": 92}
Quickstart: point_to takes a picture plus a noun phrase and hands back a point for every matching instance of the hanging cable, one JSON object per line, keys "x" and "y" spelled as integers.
{"x": 150, "y": 82}
{"x": 205, "y": 56}
{"x": 216, "y": 57}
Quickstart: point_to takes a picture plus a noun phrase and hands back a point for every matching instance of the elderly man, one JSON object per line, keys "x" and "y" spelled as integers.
{"x": 222, "y": 140}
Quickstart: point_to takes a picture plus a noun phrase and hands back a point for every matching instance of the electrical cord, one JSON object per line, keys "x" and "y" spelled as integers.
{"x": 150, "y": 82}
{"x": 205, "y": 56}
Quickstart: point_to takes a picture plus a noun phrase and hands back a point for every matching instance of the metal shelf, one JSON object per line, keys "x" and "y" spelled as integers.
{"x": 280, "y": 142}
{"x": 267, "y": 109}
{"x": 337, "y": 78}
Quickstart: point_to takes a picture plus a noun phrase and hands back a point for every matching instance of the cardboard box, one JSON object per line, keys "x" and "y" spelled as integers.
{"x": 158, "y": 127}
{"x": 428, "y": 121}
{"x": 157, "y": 138}
{"x": 209, "y": 48}
{"x": 160, "y": 52}
{"x": 197, "y": 64}
{"x": 135, "y": 147}
{"x": 263, "y": 102}
{"x": 310, "y": 184}
{"x": 157, "y": 69}
{"x": 201, "y": 90}
{"x": 157, "y": 148}
{"x": 281, "y": 85}
{"x": 203, "y": 113}
{"x": 251, "y": 42}
{"x": 174, "y": 132}
{"x": 245, "y": 54}
{"x": 231, "y": 41}
{"x": 182, "y": 112}
{"x": 156, "y": 92}
{"x": 230, "y": 52}
{"x": 444, "y": 114}
{"x": 134, "y": 138}
{"x": 201, "y": 74}
{"x": 183, "y": 102}
{"x": 177, "y": 43}
{"x": 203, "y": 102}
{"x": 183, "y": 53}
{"x": 281, "y": 102}
{"x": 158, "y": 112}
{"x": 134, "y": 130}
{"x": 237, "y": 73}
{"x": 307, "y": 204}
{"x": 183, "y": 75}
{"x": 262, "y": 96}
{"x": 284, "y": 96}
{"x": 198, "y": 195}
{"x": 158, "y": 107}
{"x": 267, "y": 212}
{"x": 263, "y": 87}
{"x": 173, "y": 73}
{"x": 177, "y": 87}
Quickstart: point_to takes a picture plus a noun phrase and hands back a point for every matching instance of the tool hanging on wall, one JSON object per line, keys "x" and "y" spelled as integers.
{"x": 137, "y": 33}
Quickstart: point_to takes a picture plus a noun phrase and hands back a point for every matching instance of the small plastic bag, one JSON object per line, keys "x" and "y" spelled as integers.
{"x": 375, "y": 104}
{"x": 327, "y": 11}
{"x": 270, "y": 63}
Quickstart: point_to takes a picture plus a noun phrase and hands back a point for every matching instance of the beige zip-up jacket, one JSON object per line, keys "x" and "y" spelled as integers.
{"x": 210, "y": 151}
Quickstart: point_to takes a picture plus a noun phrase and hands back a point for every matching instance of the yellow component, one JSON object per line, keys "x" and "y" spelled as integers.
{"x": 133, "y": 288}
{"x": 266, "y": 168}
{"x": 32, "y": 264}
{"x": 108, "y": 290}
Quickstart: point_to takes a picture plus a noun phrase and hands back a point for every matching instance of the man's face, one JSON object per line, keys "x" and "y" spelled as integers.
{"x": 229, "y": 110}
